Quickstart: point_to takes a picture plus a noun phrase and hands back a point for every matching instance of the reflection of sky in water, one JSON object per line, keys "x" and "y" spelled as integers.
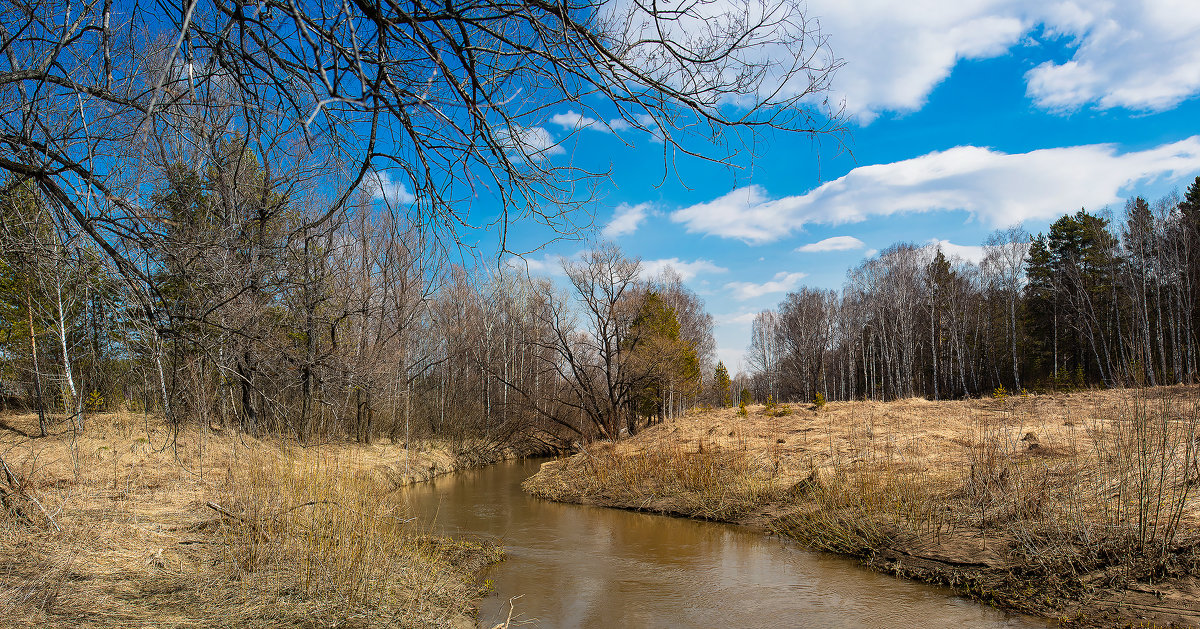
{"x": 605, "y": 568}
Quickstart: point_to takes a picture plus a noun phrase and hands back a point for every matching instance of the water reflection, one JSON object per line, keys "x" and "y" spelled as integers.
{"x": 598, "y": 568}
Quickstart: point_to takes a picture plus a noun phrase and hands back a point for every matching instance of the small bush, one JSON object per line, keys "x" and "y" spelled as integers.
{"x": 820, "y": 401}
{"x": 95, "y": 402}
{"x": 780, "y": 410}
{"x": 858, "y": 512}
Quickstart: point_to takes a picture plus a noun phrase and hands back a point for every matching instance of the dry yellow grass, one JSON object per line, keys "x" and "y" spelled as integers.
{"x": 1056, "y": 504}
{"x": 714, "y": 483}
{"x": 135, "y": 525}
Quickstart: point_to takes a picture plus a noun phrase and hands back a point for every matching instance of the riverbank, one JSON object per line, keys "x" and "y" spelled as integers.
{"x": 131, "y": 524}
{"x": 1078, "y": 507}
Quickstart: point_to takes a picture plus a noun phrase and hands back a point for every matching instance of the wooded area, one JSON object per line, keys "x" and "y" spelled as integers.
{"x": 346, "y": 331}
{"x": 247, "y": 215}
{"x": 1095, "y": 301}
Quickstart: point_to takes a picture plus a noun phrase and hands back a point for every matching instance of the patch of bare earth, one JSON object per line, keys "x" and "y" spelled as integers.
{"x": 129, "y": 524}
{"x": 1080, "y": 507}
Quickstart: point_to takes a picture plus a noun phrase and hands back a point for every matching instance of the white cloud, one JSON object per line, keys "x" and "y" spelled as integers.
{"x": 619, "y": 124}
{"x": 998, "y": 188}
{"x": 950, "y": 250}
{"x": 1142, "y": 55}
{"x": 781, "y": 283}
{"x": 533, "y": 142}
{"x": 896, "y": 52}
{"x": 737, "y": 318}
{"x": 1138, "y": 54}
{"x": 626, "y": 219}
{"x": 384, "y": 188}
{"x": 836, "y": 243}
{"x": 547, "y": 265}
{"x": 687, "y": 270}
{"x": 572, "y": 120}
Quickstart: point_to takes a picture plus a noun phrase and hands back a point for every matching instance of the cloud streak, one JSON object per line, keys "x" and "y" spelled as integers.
{"x": 997, "y": 188}
{"x": 836, "y": 243}
{"x": 687, "y": 270}
{"x": 626, "y": 219}
{"x": 1137, "y": 54}
{"x": 781, "y": 283}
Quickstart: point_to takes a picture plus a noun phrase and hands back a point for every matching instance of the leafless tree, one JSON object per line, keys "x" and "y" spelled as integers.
{"x": 764, "y": 354}
{"x": 447, "y": 100}
{"x": 1005, "y": 254}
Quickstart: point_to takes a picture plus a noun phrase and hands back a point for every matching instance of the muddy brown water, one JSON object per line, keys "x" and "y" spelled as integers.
{"x": 578, "y": 566}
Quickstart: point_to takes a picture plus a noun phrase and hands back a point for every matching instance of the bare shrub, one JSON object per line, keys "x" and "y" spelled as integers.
{"x": 859, "y": 509}
{"x": 323, "y": 526}
{"x": 1115, "y": 492}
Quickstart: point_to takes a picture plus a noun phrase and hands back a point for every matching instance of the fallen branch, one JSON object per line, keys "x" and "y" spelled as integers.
{"x": 12, "y": 489}
{"x": 255, "y": 528}
{"x": 215, "y": 507}
{"x": 511, "y": 609}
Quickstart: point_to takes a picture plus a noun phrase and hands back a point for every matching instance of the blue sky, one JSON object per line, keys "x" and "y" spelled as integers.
{"x": 964, "y": 116}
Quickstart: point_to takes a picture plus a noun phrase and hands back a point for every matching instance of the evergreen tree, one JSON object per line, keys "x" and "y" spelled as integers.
{"x": 660, "y": 356}
{"x": 1041, "y": 309}
{"x": 1190, "y": 206}
{"x": 723, "y": 384}
{"x": 1070, "y": 301}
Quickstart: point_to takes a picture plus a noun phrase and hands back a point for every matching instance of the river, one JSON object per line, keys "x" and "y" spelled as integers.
{"x": 577, "y": 566}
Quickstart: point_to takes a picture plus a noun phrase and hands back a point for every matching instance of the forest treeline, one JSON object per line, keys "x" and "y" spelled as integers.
{"x": 261, "y": 318}
{"x": 248, "y": 217}
{"x": 1096, "y": 300}
{"x": 249, "y": 313}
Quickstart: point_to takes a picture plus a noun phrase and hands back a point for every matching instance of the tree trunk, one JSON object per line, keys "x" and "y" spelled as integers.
{"x": 37, "y": 376}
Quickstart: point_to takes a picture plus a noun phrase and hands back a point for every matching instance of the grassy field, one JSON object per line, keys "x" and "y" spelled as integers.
{"x": 132, "y": 525}
{"x": 1080, "y": 507}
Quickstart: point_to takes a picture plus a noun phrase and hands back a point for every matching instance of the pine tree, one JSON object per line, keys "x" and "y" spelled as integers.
{"x": 724, "y": 385}
{"x": 1041, "y": 308}
{"x": 661, "y": 358}
{"x": 1190, "y": 206}
{"x": 1070, "y": 297}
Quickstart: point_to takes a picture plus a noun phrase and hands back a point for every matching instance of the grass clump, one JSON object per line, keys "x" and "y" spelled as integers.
{"x": 319, "y": 528}
{"x": 860, "y": 511}
{"x": 701, "y": 480}
{"x": 148, "y": 527}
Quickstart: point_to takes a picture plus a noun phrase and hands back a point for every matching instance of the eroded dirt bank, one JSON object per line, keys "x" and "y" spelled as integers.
{"x": 130, "y": 525}
{"x": 1079, "y": 507}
